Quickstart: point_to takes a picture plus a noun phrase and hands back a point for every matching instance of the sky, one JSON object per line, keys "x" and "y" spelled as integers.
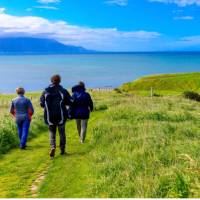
{"x": 106, "y": 25}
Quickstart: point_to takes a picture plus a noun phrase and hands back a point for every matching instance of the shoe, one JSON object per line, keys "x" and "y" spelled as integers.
{"x": 82, "y": 141}
{"x": 23, "y": 148}
{"x": 62, "y": 152}
{"x": 52, "y": 152}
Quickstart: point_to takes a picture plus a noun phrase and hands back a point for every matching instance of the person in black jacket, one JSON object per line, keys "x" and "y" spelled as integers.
{"x": 82, "y": 106}
{"x": 54, "y": 100}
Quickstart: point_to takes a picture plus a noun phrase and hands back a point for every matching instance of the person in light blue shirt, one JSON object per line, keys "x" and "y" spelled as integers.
{"x": 22, "y": 109}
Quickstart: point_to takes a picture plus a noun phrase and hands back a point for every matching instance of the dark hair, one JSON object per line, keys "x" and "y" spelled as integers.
{"x": 20, "y": 90}
{"x": 81, "y": 83}
{"x": 56, "y": 79}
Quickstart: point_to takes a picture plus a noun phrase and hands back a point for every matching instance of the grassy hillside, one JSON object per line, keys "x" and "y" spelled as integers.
{"x": 166, "y": 82}
{"x": 136, "y": 147}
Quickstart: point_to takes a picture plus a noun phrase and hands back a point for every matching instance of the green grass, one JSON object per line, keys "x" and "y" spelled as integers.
{"x": 70, "y": 176}
{"x": 147, "y": 147}
{"x": 165, "y": 83}
{"x": 136, "y": 147}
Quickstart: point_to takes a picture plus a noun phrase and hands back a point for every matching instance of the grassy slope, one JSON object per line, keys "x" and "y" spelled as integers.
{"x": 139, "y": 147}
{"x": 166, "y": 82}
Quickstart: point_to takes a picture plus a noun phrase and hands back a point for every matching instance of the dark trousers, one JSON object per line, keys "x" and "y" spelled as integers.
{"x": 23, "y": 128}
{"x": 52, "y": 132}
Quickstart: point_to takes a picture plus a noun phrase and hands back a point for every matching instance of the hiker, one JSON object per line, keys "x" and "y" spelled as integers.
{"x": 54, "y": 100}
{"x": 82, "y": 106}
{"x": 22, "y": 109}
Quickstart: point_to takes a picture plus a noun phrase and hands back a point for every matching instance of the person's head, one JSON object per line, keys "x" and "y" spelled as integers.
{"x": 56, "y": 79}
{"x": 20, "y": 91}
{"x": 82, "y": 84}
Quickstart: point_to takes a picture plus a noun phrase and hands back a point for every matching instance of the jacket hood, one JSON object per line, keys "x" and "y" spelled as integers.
{"x": 78, "y": 88}
{"x": 53, "y": 87}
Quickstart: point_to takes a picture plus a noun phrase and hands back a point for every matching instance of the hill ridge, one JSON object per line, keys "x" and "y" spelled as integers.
{"x": 171, "y": 82}
{"x": 34, "y": 45}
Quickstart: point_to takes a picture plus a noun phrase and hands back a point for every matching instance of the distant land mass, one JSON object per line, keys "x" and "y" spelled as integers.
{"x": 30, "y": 46}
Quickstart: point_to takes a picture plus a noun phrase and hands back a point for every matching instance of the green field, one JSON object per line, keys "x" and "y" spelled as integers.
{"x": 165, "y": 83}
{"x": 137, "y": 146}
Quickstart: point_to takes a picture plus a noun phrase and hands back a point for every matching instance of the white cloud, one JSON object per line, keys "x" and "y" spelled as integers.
{"x": 117, "y": 2}
{"x": 46, "y": 7}
{"x": 188, "y": 41}
{"x": 48, "y": 1}
{"x": 91, "y": 38}
{"x": 184, "y": 18}
{"x": 2, "y": 10}
{"x": 180, "y": 3}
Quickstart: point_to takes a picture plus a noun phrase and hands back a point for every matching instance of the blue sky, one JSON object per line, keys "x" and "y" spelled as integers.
{"x": 110, "y": 25}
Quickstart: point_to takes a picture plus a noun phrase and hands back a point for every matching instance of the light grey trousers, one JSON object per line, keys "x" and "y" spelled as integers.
{"x": 82, "y": 128}
{"x": 52, "y": 134}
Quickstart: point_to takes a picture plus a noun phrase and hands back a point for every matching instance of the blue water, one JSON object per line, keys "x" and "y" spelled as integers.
{"x": 104, "y": 70}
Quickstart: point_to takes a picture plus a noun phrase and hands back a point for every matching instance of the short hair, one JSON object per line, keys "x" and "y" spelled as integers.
{"x": 20, "y": 90}
{"x": 56, "y": 79}
{"x": 81, "y": 83}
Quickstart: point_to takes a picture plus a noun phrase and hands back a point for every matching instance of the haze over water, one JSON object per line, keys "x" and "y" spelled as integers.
{"x": 96, "y": 70}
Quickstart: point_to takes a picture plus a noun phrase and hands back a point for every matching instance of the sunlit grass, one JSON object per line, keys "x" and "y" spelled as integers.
{"x": 137, "y": 146}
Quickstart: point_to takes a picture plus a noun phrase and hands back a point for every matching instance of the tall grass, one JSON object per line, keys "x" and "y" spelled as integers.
{"x": 147, "y": 147}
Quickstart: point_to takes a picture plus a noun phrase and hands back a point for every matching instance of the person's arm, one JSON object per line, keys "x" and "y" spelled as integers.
{"x": 12, "y": 109}
{"x": 67, "y": 99}
{"x": 91, "y": 106}
{"x": 30, "y": 108}
{"x": 42, "y": 100}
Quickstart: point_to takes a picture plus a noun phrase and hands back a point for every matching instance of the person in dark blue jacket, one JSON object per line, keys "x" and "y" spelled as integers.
{"x": 22, "y": 109}
{"x": 54, "y": 100}
{"x": 82, "y": 106}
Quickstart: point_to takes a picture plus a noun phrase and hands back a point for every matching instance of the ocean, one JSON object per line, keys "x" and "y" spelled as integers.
{"x": 96, "y": 70}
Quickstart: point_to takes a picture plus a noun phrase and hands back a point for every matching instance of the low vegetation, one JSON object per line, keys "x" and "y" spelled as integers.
{"x": 192, "y": 95}
{"x": 165, "y": 84}
{"x": 147, "y": 147}
{"x": 137, "y": 146}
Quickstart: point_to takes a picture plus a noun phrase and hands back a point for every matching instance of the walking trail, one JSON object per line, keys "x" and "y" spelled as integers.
{"x": 31, "y": 173}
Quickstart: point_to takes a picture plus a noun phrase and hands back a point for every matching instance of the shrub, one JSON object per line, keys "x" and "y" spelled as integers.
{"x": 191, "y": 95}
{"x": 156, "y": 95}
{"x": 100, "y": 107}
{"x": 117, "y": 90}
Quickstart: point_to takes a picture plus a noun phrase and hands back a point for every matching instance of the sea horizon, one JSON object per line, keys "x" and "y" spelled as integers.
{"x": 101, "y": 52}
{"x": 96, "y": 70}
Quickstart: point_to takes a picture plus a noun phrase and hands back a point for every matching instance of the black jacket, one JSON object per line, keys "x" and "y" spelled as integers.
{"x": 82, "y": 103}
{"x": 54, "y": 100}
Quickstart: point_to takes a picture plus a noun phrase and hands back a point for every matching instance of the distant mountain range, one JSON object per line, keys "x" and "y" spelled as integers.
{"x": 28, "y": 45}
{"x": 42, "y": 46}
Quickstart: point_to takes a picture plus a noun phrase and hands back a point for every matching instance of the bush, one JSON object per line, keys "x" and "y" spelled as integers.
{"x": 117, "y": 90}
{"x": 192, "y": 95}
{"x": 156, "y": 95}
{"x": 100, "y": 107}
